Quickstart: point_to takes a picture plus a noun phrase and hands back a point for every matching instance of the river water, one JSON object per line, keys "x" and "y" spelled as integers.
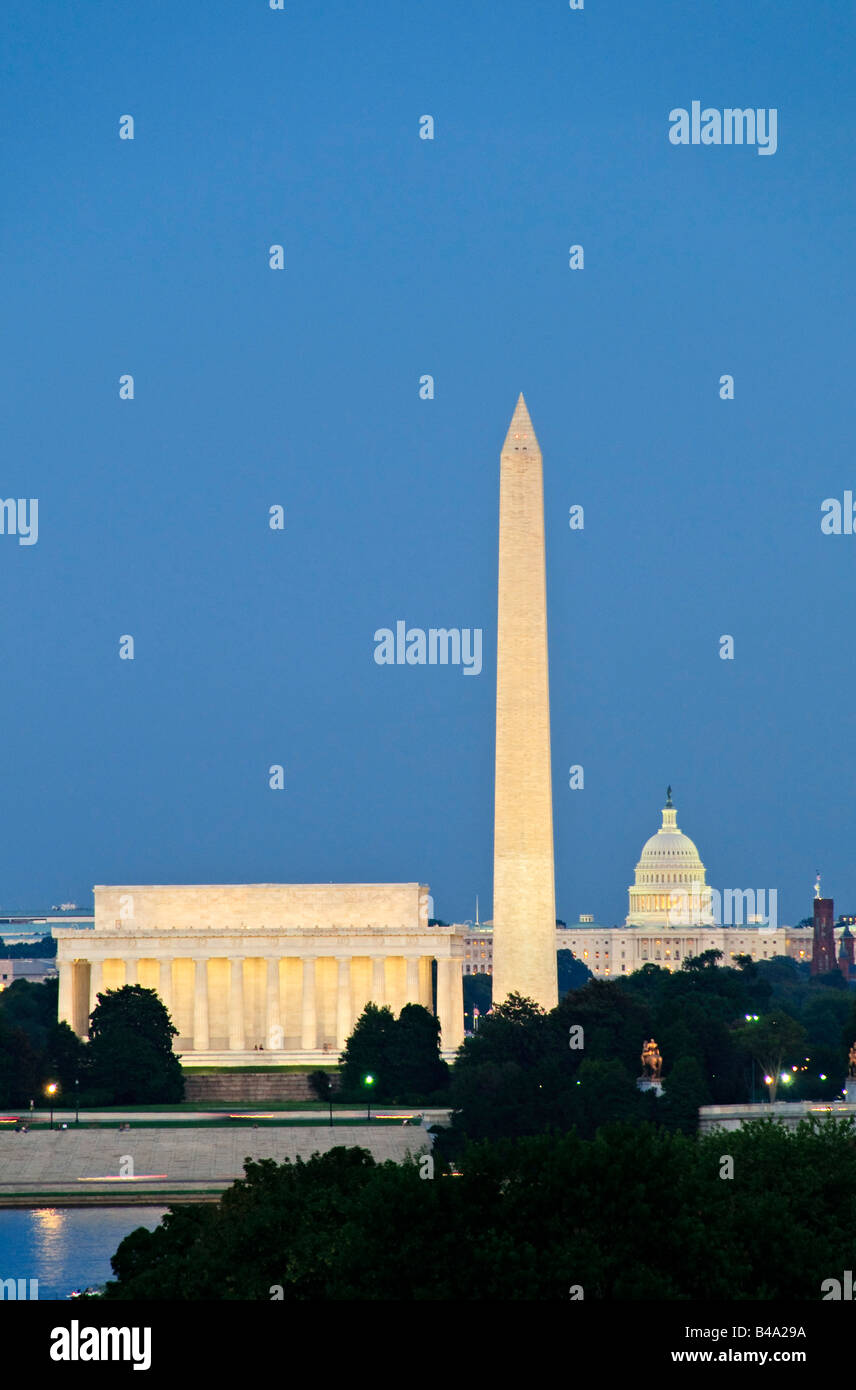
{"x": 66, "y": 1248}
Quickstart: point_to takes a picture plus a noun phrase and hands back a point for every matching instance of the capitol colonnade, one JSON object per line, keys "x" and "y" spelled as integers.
{"x": 231, "y": 989}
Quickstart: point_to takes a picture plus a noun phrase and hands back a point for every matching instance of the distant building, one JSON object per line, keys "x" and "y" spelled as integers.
{"x": 670, "y": 879}
{"x": 281, "y": 967}
{"x": 823, "y": 937}
{"x": 610, "y": 952}
{"x": 478, "y": 950}
{"x": 478, "y": 946}
{"x": 25, "y": 928}
{"x": 671, "y": 917}
{"x": 37, "y": 971}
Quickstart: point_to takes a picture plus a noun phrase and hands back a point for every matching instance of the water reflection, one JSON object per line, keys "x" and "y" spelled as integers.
{"x": 66, "y": 1248}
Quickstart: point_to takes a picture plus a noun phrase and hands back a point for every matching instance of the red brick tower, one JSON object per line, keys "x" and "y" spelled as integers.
{"x": 823, "y": 945}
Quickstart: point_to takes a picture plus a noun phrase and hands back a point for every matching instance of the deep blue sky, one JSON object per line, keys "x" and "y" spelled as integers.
{"x": 255, "y": 387}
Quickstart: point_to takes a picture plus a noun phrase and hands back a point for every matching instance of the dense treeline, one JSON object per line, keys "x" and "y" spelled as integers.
{"x": 720, "y": 1030}
{"x": 44, "y": 948}
{"x": 127, "y": 1060}
{"x": 557, "y": 1176}
{"x": 401, "y": 1055}
{"x": 632, "y": 1213}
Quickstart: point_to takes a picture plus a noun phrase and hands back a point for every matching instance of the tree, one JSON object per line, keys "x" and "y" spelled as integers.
{"x": 848, "y": 1033}
{"x": 613, "y": 1020}
{"x": 368, "y": 1051}
{"x": 20, "y": 1072}
{"x": 32, "y": 1008}
{"x": 604, "y": 1092}
{"x": 130, "y": 1049}
{"x": 65, "y": 1058}
{"x": 513, "y": 1031}
{"x": 402, "y": 1054}
{"x": 494, "y": 1100}
{"x": 573, "y": 974}
{"x": 417, "y": 1070}
{"x": 685, "y": 1091}
{"x": 708, "y": 960}
{"x": 320, "y": 1084}
{"x": 770, "y": 1040}
{"x": 42, "y": 949}
{"x": 526, "y": 1220}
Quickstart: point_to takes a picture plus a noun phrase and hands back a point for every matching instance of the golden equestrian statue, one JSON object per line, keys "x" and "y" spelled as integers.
{"x": 652, "y": 1062}
{"x": 853, "y": 1060}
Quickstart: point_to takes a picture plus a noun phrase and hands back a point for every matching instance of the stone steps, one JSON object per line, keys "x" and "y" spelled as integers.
{"x": 247, "y": 1086}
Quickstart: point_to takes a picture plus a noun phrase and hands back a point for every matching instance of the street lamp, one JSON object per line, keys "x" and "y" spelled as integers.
{"x": 368, "y": 1082}
{"x": 77, "y": 1100}
{"x": 51, "y": 1090}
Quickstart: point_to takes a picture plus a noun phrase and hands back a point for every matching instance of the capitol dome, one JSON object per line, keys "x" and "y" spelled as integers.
{"x": 670, "y": 888}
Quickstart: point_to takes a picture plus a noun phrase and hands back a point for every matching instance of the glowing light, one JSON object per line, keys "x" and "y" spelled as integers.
{"x": 127, "y": 1177}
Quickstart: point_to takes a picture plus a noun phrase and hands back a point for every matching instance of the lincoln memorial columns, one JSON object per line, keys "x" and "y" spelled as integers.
{"x": 65, "y": 1008}
{"x": 165, "y": 989}
{"x": 236, "y": 1004}
{"x": 96, "y": 982}
{"x": 278, "y": 969}
{"x": 272, "y": 1012}
{"x": 200, "y": 1006}
{"x": 450, "y": 1004}
{"x": 344, "y": 1021}
{"x": 412, "y": 987}
{"x": 378, "y": 981}
{"x": 425, "y": 996}
{"x": 308, "y": 1026}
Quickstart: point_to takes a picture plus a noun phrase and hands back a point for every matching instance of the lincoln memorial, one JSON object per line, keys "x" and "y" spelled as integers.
{"x": 283, "y": 967}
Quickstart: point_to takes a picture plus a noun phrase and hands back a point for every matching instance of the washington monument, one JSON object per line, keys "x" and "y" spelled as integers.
{"x": 524, "y": 900}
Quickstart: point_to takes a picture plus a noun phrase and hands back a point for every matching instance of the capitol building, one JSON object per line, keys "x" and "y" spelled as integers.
{"x": 670, "y": 883}
{"x": 673, "y": 914}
